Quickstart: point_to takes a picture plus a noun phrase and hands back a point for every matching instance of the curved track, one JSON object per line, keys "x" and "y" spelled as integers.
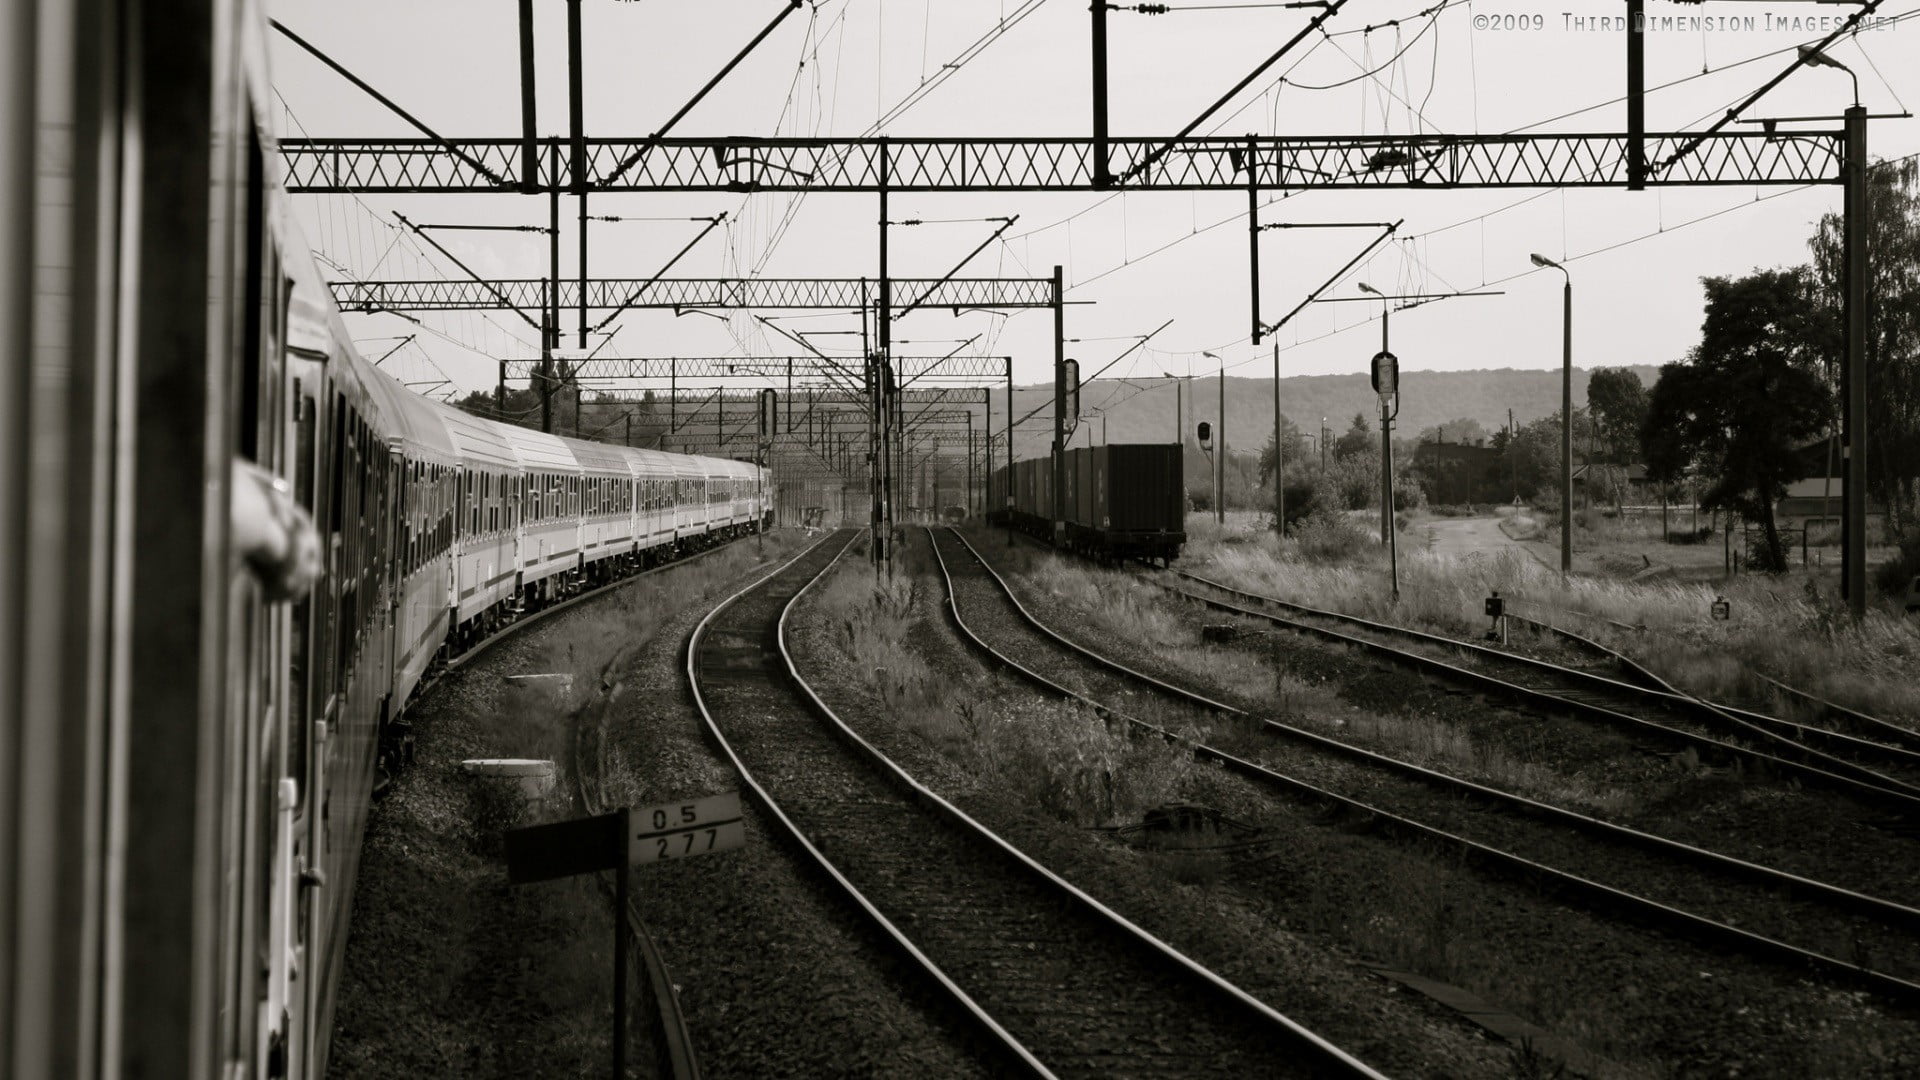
{"x": 1847, "y": 732}
{"x": 1067, "y": 661}
{"x": 1056, "y": 983}
{"x": 1661, "y": 713}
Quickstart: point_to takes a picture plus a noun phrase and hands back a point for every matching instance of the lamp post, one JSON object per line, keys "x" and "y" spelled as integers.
{"x": 1220, "y": 459}
{"x": 1386, "y": 383}
{"x": 1566, "y": 418}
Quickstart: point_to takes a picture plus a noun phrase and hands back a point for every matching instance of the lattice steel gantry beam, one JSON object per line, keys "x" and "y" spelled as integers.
{"x": 694, "y": 369}
{"x": 1263, "y": 162}
{"x": 606, "y": 294}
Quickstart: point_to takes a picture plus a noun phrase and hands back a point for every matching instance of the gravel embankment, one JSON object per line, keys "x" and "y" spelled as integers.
{"x": 1184, "y": 899}
{"x": 450, "y": 972}
{"x": 1629, "y": 993}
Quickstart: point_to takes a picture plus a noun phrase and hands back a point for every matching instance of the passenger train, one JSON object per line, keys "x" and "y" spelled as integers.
{"x": 186, "y": 759}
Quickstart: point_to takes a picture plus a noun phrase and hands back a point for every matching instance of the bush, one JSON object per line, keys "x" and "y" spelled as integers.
{"x": 1328, "y": 536}
{"x": 1302, "y": 499}
{"x": 1896, "y": 575}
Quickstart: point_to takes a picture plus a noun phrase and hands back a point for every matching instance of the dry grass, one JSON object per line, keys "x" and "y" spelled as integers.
{"x": 1056, "y": 756}
{"x": 1119, "y": 604}
{"x": 1801, "y": 637}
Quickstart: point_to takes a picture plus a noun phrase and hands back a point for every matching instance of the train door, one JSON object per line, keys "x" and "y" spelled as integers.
{"x": 260, "y": 791}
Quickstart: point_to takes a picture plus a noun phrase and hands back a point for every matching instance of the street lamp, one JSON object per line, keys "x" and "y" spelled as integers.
{"x": 1813, "y": 57}
{"x": 1566, "y": 418}
{"x": 1220, "y": 459}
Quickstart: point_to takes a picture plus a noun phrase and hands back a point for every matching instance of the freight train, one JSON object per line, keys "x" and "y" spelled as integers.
{"x": 1124, "y": 501}
{"x": 187, "y": 753}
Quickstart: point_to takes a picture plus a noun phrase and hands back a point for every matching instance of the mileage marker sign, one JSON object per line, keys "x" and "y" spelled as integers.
{"x": 680, "y": 830}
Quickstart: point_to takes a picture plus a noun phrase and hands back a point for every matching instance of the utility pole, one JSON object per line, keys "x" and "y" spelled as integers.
{"x": 1279, "y": 453}
{"x": 1853, "y": 382}
{"x": 1059, "y": 405}
{"x": 1220, "y": 459}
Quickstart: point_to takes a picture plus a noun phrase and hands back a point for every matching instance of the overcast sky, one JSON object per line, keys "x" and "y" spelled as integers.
{"x": 1131, "y": 261}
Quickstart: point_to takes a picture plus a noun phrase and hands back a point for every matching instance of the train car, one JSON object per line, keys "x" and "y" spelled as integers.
{"x": 1121, "y": 501}
{"x": 241, "y": 549}
{"x": 607, "y": 528}
{"x": 484, "y": 560}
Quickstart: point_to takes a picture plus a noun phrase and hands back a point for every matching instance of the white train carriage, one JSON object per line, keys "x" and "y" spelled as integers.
{"x": 653, "y": 503}
{"x": 689, "y": 500}
{"x": 547, "y": 534}
{"x": 606, "y": 526}
{"x": 730, "y": 486}
{"x": 490, "y": 483}
{"x": 423, "y": 564}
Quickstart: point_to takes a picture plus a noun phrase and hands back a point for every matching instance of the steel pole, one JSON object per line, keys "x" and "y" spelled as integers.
{"x": 1220, "y": 455}
{"x": 1389, "y": 404}
{"x": 1853, "y": 381}
{"x": 1102, "y": 174}
{"x": 1059, "y": 404}
{"x": 1566, "y": 431}
{"x": 621, "y": 875}
{"x": 1006, "y": 495}
{"x": 883, "y": 332}
{"x": 1279, "y": 453}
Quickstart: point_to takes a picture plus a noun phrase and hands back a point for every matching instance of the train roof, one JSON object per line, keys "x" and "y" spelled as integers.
{"x": 480, "y": 442}
{"x": 539, "y": 451}
{"x": 420, "y": 429}
{"x": 598, "y": 456}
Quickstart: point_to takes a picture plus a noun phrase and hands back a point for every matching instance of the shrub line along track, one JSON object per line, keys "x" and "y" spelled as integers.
{"x": 1900, "y": 746}
{"x": 1831, "y": 772}
{"x": 1607, "y": 896}
{"x": 670, "y": 1023}
{"x": 1077, "y": 979}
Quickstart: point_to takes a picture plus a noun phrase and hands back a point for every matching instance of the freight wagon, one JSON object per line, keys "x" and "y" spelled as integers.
{"x": 1122, "y": 501}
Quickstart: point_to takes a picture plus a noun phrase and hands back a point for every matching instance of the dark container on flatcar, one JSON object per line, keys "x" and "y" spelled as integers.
{"x": 1081, "y": 506}
{"x": 1140, "y": 507}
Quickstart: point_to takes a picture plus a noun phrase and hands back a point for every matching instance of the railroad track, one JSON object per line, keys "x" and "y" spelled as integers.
{"x": 669, "y": 1020}
{"x": 1052, "y": 981}
{"x": 1847, "y": 732}
{"x": 1662, "y": 714}
{"x": 1069, "y": 669}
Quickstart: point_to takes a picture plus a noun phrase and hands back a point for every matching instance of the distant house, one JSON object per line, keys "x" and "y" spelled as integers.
{"x": 1816, "y": 499}
{"x": 1459, "y": 473}
{"x": 1639, "y": 488}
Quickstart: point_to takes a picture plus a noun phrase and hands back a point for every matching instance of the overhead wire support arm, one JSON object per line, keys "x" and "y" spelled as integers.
{"x": 653, "y": 140}
{"x": 712, "y": 224}
{"x": 391, "y": 106}
{"x": 1006, "y": 223}
{"x": 1806, "y": 56}
{"x": 1328, "y": 11}
{"x": 1386, "y": 232}
{"x": 489, "y": 286}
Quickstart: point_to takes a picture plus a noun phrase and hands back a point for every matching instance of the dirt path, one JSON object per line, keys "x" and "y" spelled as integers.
{"x": 1459, "y": 537}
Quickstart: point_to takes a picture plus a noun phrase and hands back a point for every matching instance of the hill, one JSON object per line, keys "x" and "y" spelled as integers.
{"x": 1142, "y": 411}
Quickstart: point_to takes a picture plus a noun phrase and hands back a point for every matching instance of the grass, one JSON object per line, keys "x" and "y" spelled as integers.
{"x": 1119, "y": 604}
{"x": 1800, "y": 636}
{"x": 1057, "y": 756}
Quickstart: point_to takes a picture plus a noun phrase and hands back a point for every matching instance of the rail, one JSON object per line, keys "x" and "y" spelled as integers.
{"x": 1599, "y": 894}
{"x": 1835, "y": 773}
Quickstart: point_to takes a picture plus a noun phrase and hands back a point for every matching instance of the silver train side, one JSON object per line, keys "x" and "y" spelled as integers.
{"x": 186, "y": 766}
{"x": 1120, "y": 501}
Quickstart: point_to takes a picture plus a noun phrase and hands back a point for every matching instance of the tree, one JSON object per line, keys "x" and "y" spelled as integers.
{"x": 1736, "y": 409}
{"x": 1618, "y": 404}
{"x": 1463, "y": 430}
{"x": 1358, "y": 439}
{"x": 1892, "y": 353}
{"x": 1291, "y": 432}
